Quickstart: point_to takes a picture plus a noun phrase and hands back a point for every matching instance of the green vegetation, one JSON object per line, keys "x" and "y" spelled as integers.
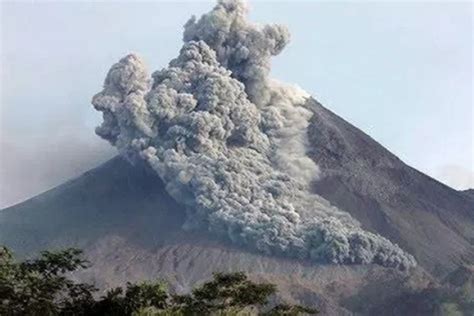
{"x": 42, "y": 287}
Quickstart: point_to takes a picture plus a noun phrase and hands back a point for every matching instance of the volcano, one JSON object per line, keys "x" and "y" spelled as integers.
{"x": 131, "y": 230}
{"x": 222, "y": 168}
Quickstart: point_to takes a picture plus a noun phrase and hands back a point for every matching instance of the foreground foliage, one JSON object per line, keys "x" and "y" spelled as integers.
{"x": 42, "y": 287}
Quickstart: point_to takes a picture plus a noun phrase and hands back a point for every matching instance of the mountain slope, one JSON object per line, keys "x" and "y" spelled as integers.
{"x": 113, "y": 199}
{"x": 131, "y": 229}
{"x": 469, "y": 192}
{"x": 431, "y": 220}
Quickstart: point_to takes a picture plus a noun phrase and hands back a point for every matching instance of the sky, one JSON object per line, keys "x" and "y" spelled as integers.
{"x": 400, "y": 71}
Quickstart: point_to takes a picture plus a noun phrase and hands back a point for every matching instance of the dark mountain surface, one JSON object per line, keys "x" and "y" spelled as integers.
{"x": 131, "y": 229}
{"x": 425, "y": 217}
{"x": 462, "y": 277}
{"x": 469, "y": 192}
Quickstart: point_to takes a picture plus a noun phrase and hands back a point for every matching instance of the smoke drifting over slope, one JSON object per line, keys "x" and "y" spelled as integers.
{"x": 230, "y": 143}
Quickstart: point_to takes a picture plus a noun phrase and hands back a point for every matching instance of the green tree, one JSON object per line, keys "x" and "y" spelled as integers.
{"x": 42, "y": 287}
{"x": 225, "y": 292}
{"x": 136, "y": 297}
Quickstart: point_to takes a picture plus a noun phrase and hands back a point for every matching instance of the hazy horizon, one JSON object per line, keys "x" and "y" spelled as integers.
{"x": 402, "y": 73}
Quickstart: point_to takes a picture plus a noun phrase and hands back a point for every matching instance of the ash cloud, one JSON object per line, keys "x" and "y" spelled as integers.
{"x": 230, "y": 143}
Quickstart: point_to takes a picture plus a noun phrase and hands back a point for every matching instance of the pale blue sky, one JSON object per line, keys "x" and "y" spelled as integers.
{"x": 400, "y": 71}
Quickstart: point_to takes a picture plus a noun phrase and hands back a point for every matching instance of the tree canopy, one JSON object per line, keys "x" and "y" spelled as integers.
{"x": 43, "y": 286}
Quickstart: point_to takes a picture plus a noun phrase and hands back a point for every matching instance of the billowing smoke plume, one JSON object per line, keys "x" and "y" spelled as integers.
{"x": 230, "y": 143}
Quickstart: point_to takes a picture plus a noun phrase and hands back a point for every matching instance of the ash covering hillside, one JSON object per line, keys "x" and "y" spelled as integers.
{"x": 230, "y": 143}
{"x": 222, "y": 168}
